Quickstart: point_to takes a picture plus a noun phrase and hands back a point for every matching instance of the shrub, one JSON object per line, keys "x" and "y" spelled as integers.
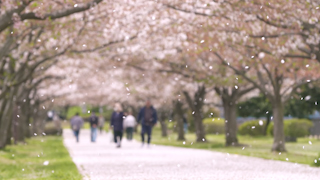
{"x": 211, "y": 113}
{"x": 52, "y": 128}
{"x": 252, "y": 128}
{"x": 294, "y": 127}
{"x": 214, "y": 125}
{"x": 270, "y": 129}
{"x": 297, "y": 128}
{"x": 316, "y": 161}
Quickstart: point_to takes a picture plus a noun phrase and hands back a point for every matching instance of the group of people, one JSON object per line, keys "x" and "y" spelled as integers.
{"x": 119, "y": 122}
{"x": 95, "y": 123}
{"x": 147, "y": 117}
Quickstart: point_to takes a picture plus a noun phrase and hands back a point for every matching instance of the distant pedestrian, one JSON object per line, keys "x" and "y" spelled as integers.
{"x": 129, "y": 124}
{"x": 185, "y": 124}
{"x": 94, "y": 126}
{"x": 148, "y": 118}
{"x": 117, "y": 124}
{"x": 76, "y": 124}
{"x": 101, "y": 123}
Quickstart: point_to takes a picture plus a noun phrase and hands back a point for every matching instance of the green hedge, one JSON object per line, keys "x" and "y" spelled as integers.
{"x": 214, "y": 125}
{"x": 211, "y": 113}
{"x": 52, "y": 128}
{"x": 252, "y": 128}
{"x": 294, "y": 128}
{"x": 316, "y": 162}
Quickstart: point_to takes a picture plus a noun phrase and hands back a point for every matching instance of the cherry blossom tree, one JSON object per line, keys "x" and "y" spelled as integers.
{"x": 101, "y": 52}
{"x": 275, "y": 72}
{"x": 262, "y": 45}
{"x": 33, "y": 41}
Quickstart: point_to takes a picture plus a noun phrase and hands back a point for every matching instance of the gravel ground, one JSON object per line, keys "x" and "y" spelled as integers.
{"x": 102, "y": 160}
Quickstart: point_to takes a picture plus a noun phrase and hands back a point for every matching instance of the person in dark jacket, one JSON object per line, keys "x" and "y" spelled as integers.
{"x": 94, "y": 127}
{"x": 117, "y": 124}
{"x": 148, "y": 118}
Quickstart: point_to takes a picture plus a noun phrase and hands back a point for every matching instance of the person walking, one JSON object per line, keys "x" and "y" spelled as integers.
{"x": 101, "y": 123}
{"x": 185, "y": 124}
{"x": 148, "y": 118}
{"x": 129, "y": 124}
{"x": 76, "y": 123}
{"x": 116, "y": 124}
{"x": 93, "y": 120}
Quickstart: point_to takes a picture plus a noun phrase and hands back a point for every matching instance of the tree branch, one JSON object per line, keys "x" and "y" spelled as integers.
{"x": 245, "y": 91}
{"x": 260, "y": 87}
{"x": 272, "y": 24}
{"x": 189, "y": 100}
{"x": 268, "y": 73}
{"x": 61, "y": 13}
{"x": 103, "y": 46}
{"x": 6, "y": 19}
{"x": 187, "y": 11}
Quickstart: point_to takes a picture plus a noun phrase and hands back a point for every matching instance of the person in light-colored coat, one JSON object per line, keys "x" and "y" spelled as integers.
{"x": 129, "y": 123}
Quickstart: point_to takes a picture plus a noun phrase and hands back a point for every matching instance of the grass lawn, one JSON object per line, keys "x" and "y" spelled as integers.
{"x": 27, "y": 161}
{"x": 303, "y": 151}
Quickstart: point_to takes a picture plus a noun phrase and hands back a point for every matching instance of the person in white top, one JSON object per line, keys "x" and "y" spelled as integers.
{"x": 129, "y": 123}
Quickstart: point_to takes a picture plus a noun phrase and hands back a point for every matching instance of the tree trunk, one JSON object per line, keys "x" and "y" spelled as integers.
{"x": 9, "y": 134}
{"x": 28, "y": 128}
{"x": 180, "y": 130}
{"x": 162, "y": 120}
{"x": 200, "y": 132}
{"x": 15, "y": 120}
{"x": 26, "y": 110}
{"x": 179, "y": 113}
{"x": 231, "y": 128}
{"x": 164, "y": 128}
{"x": 5, "y": 122}
{"x": 278, "y": 129}
{"x": 196, "y": 105}
{"x": 22, "y": 129}
{"x": 37, "y": 120}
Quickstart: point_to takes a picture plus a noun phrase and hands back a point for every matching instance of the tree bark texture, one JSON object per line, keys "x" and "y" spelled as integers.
{"x": 162, "y": 120}
{"x": 231, "y": 128}
{"x": 179, "y": 113}
{"x": 196, "y": 105}
{"x": 229, "y": 98}
{"x": 9, "y": 134}
{"x": 278, "y": 128}
{"x": 5, "y": 122}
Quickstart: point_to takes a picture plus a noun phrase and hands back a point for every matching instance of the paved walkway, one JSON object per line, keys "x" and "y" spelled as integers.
{"x": 101, "y": 160}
